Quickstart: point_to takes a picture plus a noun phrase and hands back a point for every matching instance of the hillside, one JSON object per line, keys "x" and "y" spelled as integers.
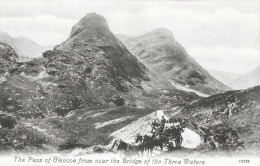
{"x": 231, "y": 117}
{"x": 247, "y": 80}
{"x": 161, "y": 53}
{"x": 23, "y": 46}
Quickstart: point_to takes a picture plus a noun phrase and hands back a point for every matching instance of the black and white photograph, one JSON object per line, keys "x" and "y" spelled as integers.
{"x": 129, "y": 82}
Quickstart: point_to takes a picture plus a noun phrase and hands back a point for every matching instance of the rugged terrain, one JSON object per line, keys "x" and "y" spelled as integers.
{"x": 92, "y": 74}
{"x": 160, "y": 52}
{"x": 219, "y": 125}
{"x": 231, "y": 117}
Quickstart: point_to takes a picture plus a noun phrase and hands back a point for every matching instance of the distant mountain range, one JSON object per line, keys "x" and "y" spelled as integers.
{"x": 247, "y": 80}
{"x": 238, "y": 80}
{"x": 23, "y": 46}
{"x": 161, "y": 53}
{"x": 224, "y": 77}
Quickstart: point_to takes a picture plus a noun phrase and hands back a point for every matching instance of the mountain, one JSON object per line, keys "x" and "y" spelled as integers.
{"x": 224, "y": 77}
{"x": 250, "y": 79}
{"x": 231, "y": 118}
{"x": 24, "y": 46}
{"x": 88, "y": 85}
{"x": 161, "y": 53}
{"x": 92, "y": 68}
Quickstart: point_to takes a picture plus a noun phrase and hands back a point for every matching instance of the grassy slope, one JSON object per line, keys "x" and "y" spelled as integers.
{"x": 80, "y": 126}
{"x": 212, "y": 113}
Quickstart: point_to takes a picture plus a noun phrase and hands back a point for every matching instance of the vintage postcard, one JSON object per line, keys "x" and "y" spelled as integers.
{"x": 129, "y": 82}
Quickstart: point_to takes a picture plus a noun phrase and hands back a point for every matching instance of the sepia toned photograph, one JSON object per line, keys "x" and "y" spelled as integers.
{"x": 129, "y": 82}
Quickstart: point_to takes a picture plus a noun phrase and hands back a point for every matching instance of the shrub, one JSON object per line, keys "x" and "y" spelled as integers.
{"x": 191, "y": 83}
{"x": 23, "y": 138}
{"x": 195, "y": 74}
{"x": 118, "y": 101}
{"x": 7, "y": 121}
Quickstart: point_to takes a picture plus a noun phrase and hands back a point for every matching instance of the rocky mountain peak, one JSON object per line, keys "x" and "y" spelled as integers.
{"x": 91, "y": 30}
{"x": 161, "y": 32}
{"x": 89, "y": 22}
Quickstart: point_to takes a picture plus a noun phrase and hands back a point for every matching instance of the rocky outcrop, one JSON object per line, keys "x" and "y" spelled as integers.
{"x": 91, "y": 39}
{"x": 7, "y": 58}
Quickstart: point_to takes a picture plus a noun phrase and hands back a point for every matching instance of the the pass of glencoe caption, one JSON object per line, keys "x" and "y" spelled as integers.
{"x": 129, "y": 83}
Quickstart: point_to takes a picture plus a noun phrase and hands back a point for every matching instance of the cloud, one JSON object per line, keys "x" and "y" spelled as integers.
{"x": 195, "y": 28}
{"x": 45, "y": 29}
{"x": 192, "y": 23}
{"x": 62, "y": 9}
{"x": 236, "y": 60}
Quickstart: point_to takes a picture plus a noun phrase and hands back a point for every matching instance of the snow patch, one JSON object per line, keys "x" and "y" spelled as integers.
{"x": 145, "y": 86}
{"x": 98, "y": 114}
{"x": 100, "y": 125}
{"x": 187, "y": 89}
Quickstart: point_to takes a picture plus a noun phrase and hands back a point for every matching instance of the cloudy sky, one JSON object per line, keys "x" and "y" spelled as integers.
{"x": 220, "y": 35}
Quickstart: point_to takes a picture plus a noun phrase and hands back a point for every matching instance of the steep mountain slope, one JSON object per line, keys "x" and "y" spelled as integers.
{"x": 224, "y": 77}
{"x": 24, "y": 46}
{"x": 230, "y": 117}
{"x": 248, "y": 80}
{"x": 91, "y": 38}
{"x": 160, "y": 52}
{"x": 92, "y": 71}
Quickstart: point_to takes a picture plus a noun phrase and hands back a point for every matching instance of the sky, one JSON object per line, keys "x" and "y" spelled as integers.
{"x": 219, "y": 35}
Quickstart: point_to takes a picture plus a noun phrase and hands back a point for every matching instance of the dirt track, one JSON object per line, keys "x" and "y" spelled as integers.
{"x": 143, "y": 126}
